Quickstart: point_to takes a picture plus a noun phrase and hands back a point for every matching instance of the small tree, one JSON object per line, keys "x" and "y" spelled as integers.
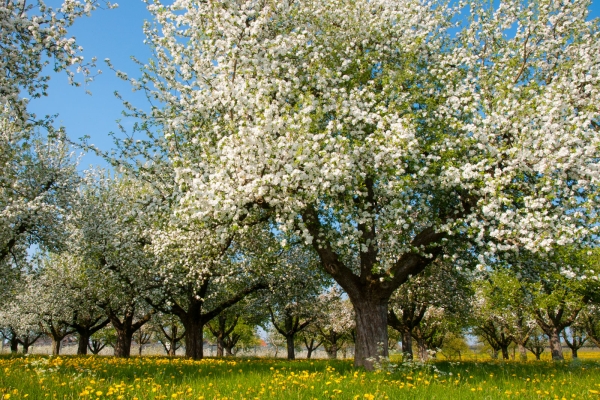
{"x": 537, "y": 343}
{"x": 454, "y": 346}
{"x": 334, "y": 320}
{"x": 575, "y": 339}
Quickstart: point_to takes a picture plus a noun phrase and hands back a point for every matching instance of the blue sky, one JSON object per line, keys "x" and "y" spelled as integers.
{"x": 115, "y": 34}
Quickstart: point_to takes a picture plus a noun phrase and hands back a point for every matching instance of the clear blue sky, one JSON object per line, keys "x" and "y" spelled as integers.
{"x": 115, "y": 34}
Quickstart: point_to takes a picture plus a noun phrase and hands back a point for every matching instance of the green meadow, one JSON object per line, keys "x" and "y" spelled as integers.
{"x": 88, "y": 377}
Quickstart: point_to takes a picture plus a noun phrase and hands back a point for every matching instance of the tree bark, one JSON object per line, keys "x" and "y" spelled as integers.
{"x": 555, "y": 345}
{"x": 291, "y": 350}
{"x": 332, "y": 351}
{"x": 125, "y": 330}
{"x": 194, "y": 337}
{"x": 82, "y": 345}
{"x": 14, "y": 344}
{"x": 56, "y": 346}
{"x": 123, "y": 344}
{"x": 522, "y": 352}
{"x": 371, "y": 331}
{"x": 220, "y": 346}
{"x": 504, "y": 350}
{"x": 422, "y": 350}
{"x": 407, "y": 351}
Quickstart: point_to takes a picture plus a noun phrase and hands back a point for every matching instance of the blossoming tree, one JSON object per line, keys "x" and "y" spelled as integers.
{"x": 380, "y": 131}
{"x": 37, "y": 173}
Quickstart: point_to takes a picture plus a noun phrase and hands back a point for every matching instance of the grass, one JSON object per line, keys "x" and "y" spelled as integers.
{"x": 72, "y": 377}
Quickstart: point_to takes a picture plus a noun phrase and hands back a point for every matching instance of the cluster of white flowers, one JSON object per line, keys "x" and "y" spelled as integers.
{"x": 383, "y": 133}
{"x": 293, "y": 105}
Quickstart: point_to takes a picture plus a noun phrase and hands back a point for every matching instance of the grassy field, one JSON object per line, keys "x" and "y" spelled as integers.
{"x": 71, "y": 377}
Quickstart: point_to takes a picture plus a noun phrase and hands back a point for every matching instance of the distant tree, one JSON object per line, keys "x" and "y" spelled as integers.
{"x": 454, "y": 346}
{"x": 537, "y": 343}
{"x": 575, "y": 339}
{"x": 168, "y": 331}
{"x": 334, "y": 320}
{"x": 591, "y": 323}
{"x": 442, "y": 286}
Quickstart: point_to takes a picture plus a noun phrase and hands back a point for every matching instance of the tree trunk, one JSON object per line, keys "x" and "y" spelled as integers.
{"x": 522, "y": 352}
{"x": 422, "y": 350}
{"x": 220, "y": 346}
{"x": 194, "y": 338}
{"x": 332, "y": 351}
{"x": 172, "y": 349}
{"x": 371, "y": 331}
{"x": 291, "y": 351}
{"x": 84, "y": 340}
{"x": 123, "y": 344}
{"x": 494, "y": 354}
{"x": 14, "y": 344}
{"x": 56, "y": 346}
{"x": 407, "y": 352}
{"x": 310, "y": 347}
{"x": 574, "y": 352}
{"x": 504, "y": 350}
{"x": 555, "y": 345}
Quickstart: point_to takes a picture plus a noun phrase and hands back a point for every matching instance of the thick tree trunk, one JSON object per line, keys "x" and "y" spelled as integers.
{"x": 220, "y": 346}
{"x": 332, "y": 351}
{"x": 407, "y": 352}
{"x": 82, "y": 346}
{"x": 574, "y": 352}
{"x": 123, "y": 344}
{"x": 291, "y": 351}
{"x": 422, "y": 350}
{"x": 522, "y": 352}
{"x": 14, "y": 345}
{"x": 504, "y": 350}
{"x": 56, "y": 346}
{"x": 555, "y": 345}
{"x": 371, "y": 331}
{"x": 194, "y": 338}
